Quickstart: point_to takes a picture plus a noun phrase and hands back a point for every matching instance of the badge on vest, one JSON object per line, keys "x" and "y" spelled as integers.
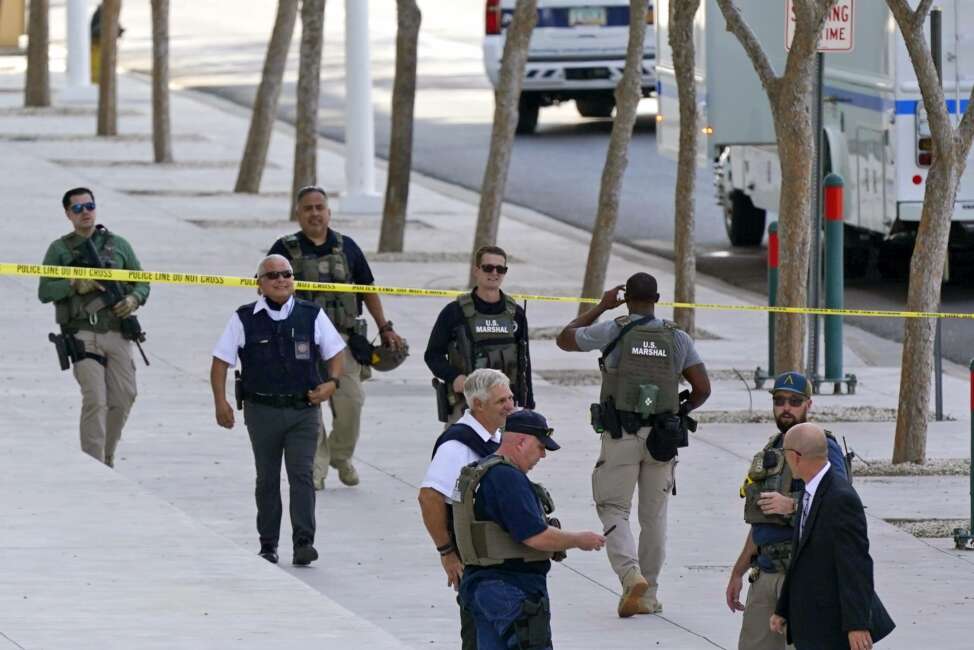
{"x": 302, "y": 350}
{"x": 491, "y": 326}
{"x": 648, "y": 349}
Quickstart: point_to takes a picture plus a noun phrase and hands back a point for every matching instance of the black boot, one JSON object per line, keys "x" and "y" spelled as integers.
{"x": 268, "y": 552}
{"x": 304, "y": 554}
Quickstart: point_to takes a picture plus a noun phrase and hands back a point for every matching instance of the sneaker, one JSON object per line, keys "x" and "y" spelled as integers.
{"x": 347, "y": 474}
{"x": 649, "y": 605}
{"x": 304, "y": 555}
{"x": 269, "y": 552}
{"x": 633, "y": 588}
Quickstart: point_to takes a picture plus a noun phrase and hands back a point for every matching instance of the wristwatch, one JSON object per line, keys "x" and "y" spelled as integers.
{"x": 333, "y": 380}
{"x": 386, "y": 328}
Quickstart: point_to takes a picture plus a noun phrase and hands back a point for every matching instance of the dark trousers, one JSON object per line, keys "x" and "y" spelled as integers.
{"x": 291, "y": 434}
{"x": 468, "y": 628}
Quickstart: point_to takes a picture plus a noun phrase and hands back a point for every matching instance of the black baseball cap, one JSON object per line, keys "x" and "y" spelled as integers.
{"x": 534, "y": 424}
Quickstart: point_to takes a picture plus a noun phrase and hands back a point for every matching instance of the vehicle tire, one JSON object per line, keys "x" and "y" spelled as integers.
{"x": 528, "y": 107}
{"x": 595, "y": 106}
{"x": 743, "y": 221}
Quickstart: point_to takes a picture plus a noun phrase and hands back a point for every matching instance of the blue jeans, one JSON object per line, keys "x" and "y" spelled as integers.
{"x": 496, "y": 605}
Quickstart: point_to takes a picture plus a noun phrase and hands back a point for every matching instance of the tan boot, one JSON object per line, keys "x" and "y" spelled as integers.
{"x": 633, "y": 588}
{"x": 649, "y": 605}
{"x": 346, "y": 473}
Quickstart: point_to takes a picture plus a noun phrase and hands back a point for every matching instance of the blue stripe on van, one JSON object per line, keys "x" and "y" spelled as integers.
{"x": 909, "y": 106}
{"x": 557, "y": 17}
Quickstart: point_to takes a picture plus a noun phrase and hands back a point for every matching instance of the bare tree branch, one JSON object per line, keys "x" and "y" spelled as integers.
{"x": 965, "y": 131}
{"x": 740, "y": 29}
{"x": 920, "y": 15}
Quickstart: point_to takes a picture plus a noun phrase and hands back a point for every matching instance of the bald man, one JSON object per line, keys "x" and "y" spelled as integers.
{"x": 827, "y": 601}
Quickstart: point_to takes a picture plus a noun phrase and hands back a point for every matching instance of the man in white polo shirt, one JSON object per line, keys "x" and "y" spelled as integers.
{"x": 475, "y": 435}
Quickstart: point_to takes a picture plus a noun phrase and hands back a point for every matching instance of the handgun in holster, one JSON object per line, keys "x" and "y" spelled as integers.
{"x": 442, "y": 400}
{"x": 70, "y": 349}
{"x": 610, "y": 418}
{"x": 238, "y": 389}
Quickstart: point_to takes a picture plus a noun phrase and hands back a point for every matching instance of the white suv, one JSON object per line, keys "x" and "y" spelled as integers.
{"x": 577, "y": 52}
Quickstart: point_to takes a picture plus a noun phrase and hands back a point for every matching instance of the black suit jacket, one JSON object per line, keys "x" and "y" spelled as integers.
{"x": 828, "y": 590}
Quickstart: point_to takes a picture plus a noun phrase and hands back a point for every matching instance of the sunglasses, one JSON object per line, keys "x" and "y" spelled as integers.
{"x": 794, "y": 451}
{"x": 490, "y": 268}
{"x": 274, "y": 275}
{"x": 791, "y": 401}
{"x": 78, "y": 208}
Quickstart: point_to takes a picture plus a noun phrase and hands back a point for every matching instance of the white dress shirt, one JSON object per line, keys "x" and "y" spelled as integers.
{"x": 809, "y": 496}
{"x": 453, "y": 456}
{"x": 327, "y": 338}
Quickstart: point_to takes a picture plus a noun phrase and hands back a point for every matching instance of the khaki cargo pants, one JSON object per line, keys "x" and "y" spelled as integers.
{"x": 339, "y": 446}
{"x": 107, "y": 392}
{"x": 762, "y": 596}
{"x": 623, "y": 465}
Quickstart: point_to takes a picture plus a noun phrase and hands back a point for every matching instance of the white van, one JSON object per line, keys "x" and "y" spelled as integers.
{"x": 577, "y": 52}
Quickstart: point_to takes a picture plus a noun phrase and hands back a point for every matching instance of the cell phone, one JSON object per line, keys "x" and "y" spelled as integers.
{"x": 611, "y": 528}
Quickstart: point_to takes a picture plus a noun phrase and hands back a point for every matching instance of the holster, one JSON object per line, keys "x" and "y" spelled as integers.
{"x": 667, "y": 435}
{"x": 238, "y": 390}
{"x": 442, "y": 400}
{"x": 610, "y": 418}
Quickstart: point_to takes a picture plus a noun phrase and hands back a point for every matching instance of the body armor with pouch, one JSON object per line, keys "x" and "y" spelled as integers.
{"x": 89, "y": 311}
{"x": 768, "y": 473}
{"x": 492, "y": 342}
{"x": 341, "y": 308}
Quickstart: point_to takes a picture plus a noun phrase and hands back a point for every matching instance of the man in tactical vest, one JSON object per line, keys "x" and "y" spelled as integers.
{"x": 97, "y": 326}
{"x": 319, "y": 254}
{"x": 507, "y": 542}
{"x": 475, "y": 435}
{"x": 281, "y": 342}
{"x": 769, "y": 492}
{"x": 642, "y": 418}
{"x": 482, "y": 329}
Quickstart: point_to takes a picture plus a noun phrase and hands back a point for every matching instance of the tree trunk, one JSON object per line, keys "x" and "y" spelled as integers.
{"x": 265, "y": 104}
{"x": 107, "y": 78}
{"x": 37, "y": 86}
{"x": 627, "y": 96}
{"x": 950, "y": 150}
{"x": 309, "y": 82}
{"x": 392, "y": 235}
{"x": 685, "y": 261}
{"x": 506, "y": 97}
{"x": 161, "y": 116}
{"x": 790, "y": 97}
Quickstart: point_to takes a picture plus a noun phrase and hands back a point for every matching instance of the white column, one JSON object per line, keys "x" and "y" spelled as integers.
{"x": 360, "y": 195}
{"x": 78, "y": 85}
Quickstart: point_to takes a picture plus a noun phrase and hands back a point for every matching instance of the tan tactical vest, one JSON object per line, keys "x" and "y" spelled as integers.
{"x": 485, "y": 543}
{"x": 771, "y": 476}
{"x": 644, "y": 381}
{"x": 493, "y": 345}
{"x": 341, "y": 308}
{"x": 89, "y": 311}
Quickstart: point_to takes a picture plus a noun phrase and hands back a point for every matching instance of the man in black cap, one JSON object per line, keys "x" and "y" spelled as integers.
{"x": 506, "y": 541}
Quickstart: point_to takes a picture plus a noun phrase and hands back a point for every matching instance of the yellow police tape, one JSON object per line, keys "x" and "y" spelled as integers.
{"x": 84, "y": 273}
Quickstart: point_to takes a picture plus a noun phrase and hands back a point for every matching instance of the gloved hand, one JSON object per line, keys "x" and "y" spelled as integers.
{"x": 81, "y": 287}
{"x": 126, "y": 306}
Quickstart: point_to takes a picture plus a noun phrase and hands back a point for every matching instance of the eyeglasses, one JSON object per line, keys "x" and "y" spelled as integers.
{"x": 794, "y": 451}
{"x": 490, "y": 268}
{"x": 78, "y": 208}
{"x": 781, "y": 400}
{"x": 274, "y": 275}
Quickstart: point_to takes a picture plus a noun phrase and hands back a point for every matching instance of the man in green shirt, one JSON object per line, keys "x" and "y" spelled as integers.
{"x": 106, "y": 371}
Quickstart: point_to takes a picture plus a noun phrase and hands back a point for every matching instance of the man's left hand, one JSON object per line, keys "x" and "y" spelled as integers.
{"x": 777, "y": 624}
{"x": 775, "y": 503}
{"x": 391, "y": 340}
{"x": 126, "y": 306}
{"x": 860, "y": 640}
{"x": 322, "y": 393}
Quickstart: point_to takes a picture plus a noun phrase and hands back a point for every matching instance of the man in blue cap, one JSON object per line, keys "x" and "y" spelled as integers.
{"x": 507, "y": 541}
{"x": 770, "y": 505}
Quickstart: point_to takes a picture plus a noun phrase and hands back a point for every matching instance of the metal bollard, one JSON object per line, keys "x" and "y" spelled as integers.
{"x": 834, "y": 275}
{"x": 760, "y": 376}
{"x": 964, "y": 539}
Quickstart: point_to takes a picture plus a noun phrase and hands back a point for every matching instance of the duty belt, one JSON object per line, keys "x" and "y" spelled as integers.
{"x": 779, "y": 554}
{"x": 292, "y": 401}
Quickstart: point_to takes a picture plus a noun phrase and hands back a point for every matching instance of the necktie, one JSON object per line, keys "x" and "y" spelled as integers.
{"x": 806, "y": 503}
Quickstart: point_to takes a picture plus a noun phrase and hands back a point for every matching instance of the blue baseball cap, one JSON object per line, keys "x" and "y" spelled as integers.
{"x": 534, "y": 424}
{"x": 792, "y": 382}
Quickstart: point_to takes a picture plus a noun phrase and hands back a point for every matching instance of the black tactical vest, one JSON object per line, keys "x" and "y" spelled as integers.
{"x": 280, "y": 357}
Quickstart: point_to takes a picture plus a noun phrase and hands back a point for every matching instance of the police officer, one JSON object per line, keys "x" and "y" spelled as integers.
{"x": 771, "y": 501}
{"x": 103, "y": 367}
{"x": 475, "y": 435}
{"x": 507, "y": 542}
{"x": 319, "y": 254}
{"x": 642, "y": 422}
{"x": 482, "y": 329}
{"x": 279, "y": 340}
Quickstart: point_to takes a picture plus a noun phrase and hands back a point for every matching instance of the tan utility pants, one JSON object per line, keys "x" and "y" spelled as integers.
{"x": 339, "y": 446}
{"x": 107, "y": 393}
{"x": 625, "y": 464}
{"x": 762, "y": 595}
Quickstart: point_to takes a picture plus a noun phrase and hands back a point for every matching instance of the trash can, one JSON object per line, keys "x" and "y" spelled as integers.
{"x": 12, "y": 23}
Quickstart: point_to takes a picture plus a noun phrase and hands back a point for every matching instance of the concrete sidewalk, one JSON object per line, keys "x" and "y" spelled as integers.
{"x": 162, "y": 551}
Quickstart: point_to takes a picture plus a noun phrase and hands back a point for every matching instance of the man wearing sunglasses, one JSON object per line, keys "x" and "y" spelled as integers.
{"x": 770, "y": 505}
{"x": 320, "y": 254}
{"x": 482, "y": 329}
{"x": 281, "y": 342}
{"x": 104, "y": 366}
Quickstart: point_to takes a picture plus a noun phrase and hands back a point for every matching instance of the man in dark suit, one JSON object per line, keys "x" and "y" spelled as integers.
{"x": 827, "y": 601}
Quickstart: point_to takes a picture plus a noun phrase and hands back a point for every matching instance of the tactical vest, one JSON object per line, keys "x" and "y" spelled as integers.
{"x": 493, "y": 342}
{"x": 280, "y": 357}
{"x": 88, "y": 311}
{"x": 644, "y": 381}
{"x": 485, "y": 543}
{"x": 768, "y": 473}
{"x": 465, "y": 435}
{"x": 341, "y": 308}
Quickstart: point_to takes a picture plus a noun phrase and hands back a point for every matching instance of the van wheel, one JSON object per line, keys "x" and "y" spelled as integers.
{"x": 528, "y": 107}
{"x": 595, "y": 106}
{"x": 743, "y": 221}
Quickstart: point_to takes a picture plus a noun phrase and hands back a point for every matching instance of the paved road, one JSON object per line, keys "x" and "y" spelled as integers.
{"x": 555, "y": 171}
